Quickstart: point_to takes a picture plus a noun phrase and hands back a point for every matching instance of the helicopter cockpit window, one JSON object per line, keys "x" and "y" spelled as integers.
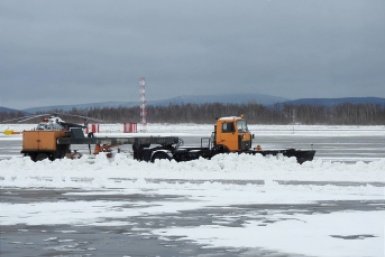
{"x": 40, "y": 126}
{"x": 49, "y": 126}
{"x": 228, "y": 127}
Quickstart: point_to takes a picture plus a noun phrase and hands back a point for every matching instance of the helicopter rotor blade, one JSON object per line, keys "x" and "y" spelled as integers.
{"x": 24, "y": 118}
{"x": 30, "y": 117}
{"x": 78, "y": 116}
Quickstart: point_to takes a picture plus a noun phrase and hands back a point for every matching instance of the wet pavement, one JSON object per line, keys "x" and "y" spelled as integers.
{"x": 134, "y": 236}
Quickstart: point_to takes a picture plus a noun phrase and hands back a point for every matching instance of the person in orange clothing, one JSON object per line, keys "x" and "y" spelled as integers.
{"x": 97, "y": 149}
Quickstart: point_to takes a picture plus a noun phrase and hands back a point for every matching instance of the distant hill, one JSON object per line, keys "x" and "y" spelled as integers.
{"x": 336, "y": 101}
{"x": 193, "y": 99}
{"x": 8, "y": 114}
{"x": 223, "y": 98}
{"x": 69, "y": 107}
{"x": 7, "y": 110}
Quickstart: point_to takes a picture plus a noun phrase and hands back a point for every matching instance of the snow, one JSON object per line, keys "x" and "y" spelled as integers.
{"x": 312, "y": 235}
{"x": 226, "y": 181}
{"x": 91, "y": 173}
{"x": 10, "y": 137}
{"x": 204, "y": 130}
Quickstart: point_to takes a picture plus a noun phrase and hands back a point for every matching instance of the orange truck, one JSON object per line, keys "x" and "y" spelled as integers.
{"x": 41, "y": 144}
{"x": 230, "y": 135}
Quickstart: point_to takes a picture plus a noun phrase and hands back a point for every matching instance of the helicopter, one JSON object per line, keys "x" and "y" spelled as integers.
{"x": 41, "y": 141}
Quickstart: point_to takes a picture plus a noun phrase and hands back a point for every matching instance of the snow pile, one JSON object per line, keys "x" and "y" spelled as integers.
{"x": 227, "y": 180}
{"x": 103, "y": 172}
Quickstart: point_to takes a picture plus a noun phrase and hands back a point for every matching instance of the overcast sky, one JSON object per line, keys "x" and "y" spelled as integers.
{"x": 68, "y": 52}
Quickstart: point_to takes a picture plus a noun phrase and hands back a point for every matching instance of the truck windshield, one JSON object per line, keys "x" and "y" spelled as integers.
{"x": 242, "y": 126}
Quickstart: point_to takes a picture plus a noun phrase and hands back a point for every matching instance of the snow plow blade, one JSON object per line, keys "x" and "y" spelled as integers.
{"x": 301, "y": 155}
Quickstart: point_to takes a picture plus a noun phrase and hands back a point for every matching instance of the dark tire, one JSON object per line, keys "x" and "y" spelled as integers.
{"x": 160, "y": 156}
{"x": 41, "y": 156}
{"x": 51, "y": 157}
{"x": 32, "y": 156}
{"x": 221, "y": 149}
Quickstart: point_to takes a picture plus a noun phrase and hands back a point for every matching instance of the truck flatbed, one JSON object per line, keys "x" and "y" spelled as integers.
{"x": 120, "y": 140}
{"x": 168, "y": 146}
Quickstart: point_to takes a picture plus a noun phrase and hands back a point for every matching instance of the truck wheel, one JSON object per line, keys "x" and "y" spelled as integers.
{"x": 221, "y": 149}
{"x": 41, "y": 156}
{"x": 32, "y": 156}
{"x": 51, "y": 157}
{"x": 160, "y": 156}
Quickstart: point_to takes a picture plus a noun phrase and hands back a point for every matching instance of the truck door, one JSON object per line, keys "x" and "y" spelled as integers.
{"x": 228, "y": 136}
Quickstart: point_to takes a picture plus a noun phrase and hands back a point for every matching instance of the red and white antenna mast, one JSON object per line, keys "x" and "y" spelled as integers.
{"x": 143, "y": 102}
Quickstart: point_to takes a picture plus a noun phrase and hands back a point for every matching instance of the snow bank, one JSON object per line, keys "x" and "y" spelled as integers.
{"x": 103, "y": 172}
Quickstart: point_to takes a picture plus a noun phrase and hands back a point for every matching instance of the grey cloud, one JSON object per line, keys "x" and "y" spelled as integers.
{"x": 63, "y": 52}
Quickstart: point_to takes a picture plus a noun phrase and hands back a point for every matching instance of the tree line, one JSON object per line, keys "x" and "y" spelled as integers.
{"x": 343, "y": 114}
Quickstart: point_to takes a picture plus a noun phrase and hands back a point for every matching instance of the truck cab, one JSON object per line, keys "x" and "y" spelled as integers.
{"x": 231, "y": 134}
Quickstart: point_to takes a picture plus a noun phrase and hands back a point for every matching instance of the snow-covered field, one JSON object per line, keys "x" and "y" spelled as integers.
{"x": 205, "y": 129}
{"x": 328, "y": 207}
